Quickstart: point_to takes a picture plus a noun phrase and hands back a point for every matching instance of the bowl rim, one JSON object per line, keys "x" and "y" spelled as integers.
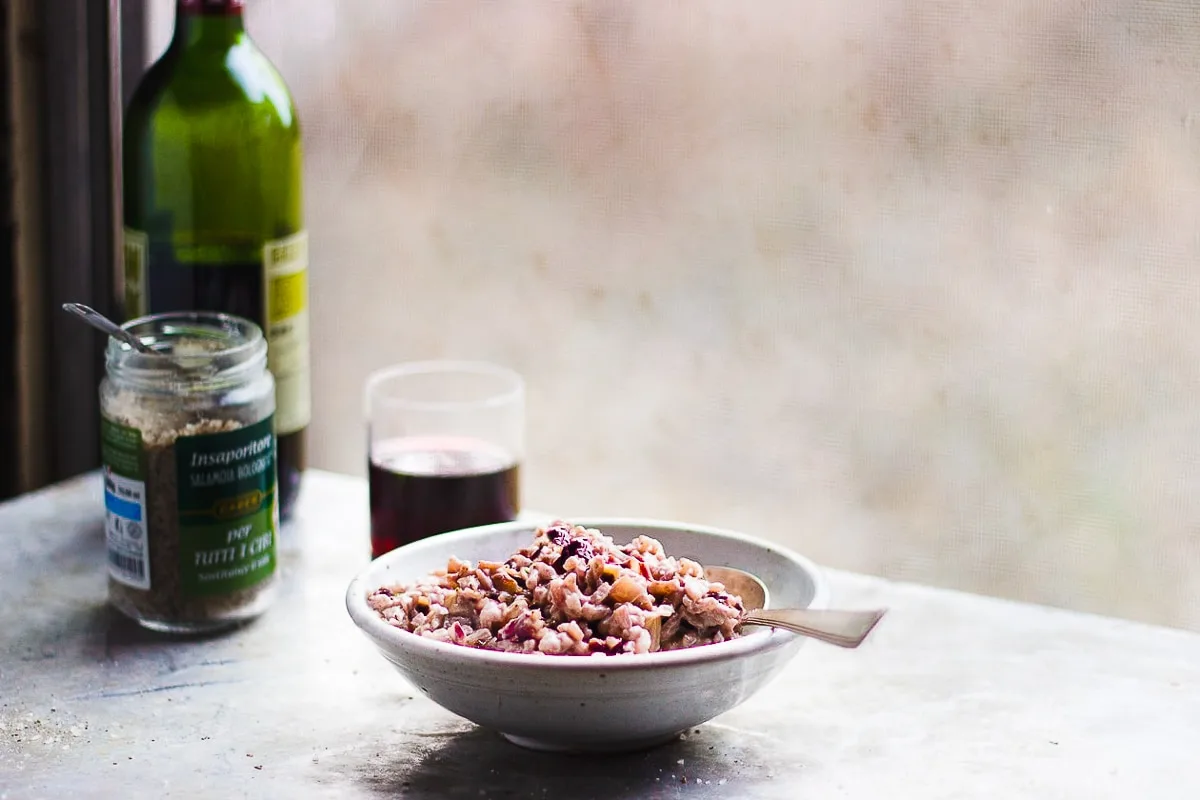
{"x": 389, "y": 637}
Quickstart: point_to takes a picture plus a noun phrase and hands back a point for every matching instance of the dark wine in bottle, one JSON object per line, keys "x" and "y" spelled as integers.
{"x": 213, "y": 174}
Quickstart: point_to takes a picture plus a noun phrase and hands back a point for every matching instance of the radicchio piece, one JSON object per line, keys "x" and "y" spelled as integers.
{"x": 519, "y": 629}
{"x": 729, "y": 600}
{"x": 575, "y": 547}
{"x": 559, "y": 534}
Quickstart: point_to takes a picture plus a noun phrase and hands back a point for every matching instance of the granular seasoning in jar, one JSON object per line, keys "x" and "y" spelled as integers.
{"x": 188, "y": 446}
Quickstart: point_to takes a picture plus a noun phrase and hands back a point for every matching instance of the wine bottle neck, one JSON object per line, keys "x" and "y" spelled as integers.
{"x": 216, "y": 22}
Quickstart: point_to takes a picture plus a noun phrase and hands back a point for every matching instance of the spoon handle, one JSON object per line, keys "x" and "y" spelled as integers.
{"x": 97, "y": 320}
{"x": 842, "y": 628}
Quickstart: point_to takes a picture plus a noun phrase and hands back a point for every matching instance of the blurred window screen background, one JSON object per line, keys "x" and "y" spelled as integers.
{"x": 912, "y": 287}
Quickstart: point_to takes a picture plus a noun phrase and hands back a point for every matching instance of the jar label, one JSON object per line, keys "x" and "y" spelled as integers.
{"x": 227, "y": 509}
{"x": 285, "y": 270}
{"x": 125, "y": 504}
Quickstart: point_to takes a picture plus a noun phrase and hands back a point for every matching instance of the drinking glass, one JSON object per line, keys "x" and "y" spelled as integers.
{"x": 445, "y": 443}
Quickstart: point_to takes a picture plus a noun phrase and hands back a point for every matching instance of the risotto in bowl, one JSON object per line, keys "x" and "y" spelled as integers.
{"x": 585, "y": 635}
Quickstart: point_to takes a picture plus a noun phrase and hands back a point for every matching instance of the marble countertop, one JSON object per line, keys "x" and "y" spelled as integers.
{"x": 954, "y": 696}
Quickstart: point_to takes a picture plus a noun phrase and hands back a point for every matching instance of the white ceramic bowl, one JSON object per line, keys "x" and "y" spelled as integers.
{"x": 591, "y": 703}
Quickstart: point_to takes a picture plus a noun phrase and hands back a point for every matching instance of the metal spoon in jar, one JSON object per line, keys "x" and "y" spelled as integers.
{"x": 97, "y": 320}
{"x": 842, "y": 628}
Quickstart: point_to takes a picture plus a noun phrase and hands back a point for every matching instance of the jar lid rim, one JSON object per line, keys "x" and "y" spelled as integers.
{"x": 238, "y": 343}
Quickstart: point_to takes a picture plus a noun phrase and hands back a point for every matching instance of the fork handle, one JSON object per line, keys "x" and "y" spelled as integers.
{"x": 841, "y": 628}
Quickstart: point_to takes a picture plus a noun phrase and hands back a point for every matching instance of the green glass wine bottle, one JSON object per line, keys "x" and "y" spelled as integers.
{"x": 213, "y": 173}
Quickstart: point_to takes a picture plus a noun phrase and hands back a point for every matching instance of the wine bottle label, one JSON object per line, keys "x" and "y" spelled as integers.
{"x": 272, "y": 293}
{"x": 285, "y": 270}
{"x": 135, "y": 247}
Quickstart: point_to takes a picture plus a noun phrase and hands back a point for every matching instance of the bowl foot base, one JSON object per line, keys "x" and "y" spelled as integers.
{"x": 558, "y": 746}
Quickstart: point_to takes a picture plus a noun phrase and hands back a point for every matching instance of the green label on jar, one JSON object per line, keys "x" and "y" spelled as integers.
{"x": 121, "y": 449}
{"x": 226, "y": 491}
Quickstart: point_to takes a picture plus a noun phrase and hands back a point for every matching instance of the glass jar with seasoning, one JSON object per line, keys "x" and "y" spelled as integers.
{"x": 188, "y": 451}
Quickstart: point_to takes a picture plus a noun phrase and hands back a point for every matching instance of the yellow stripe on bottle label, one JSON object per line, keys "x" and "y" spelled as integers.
{"x": 285, "y": 270}
{"x": 289, "y": 296}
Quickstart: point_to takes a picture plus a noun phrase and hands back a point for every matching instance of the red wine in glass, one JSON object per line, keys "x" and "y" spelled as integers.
{"x": 421, "y": 486}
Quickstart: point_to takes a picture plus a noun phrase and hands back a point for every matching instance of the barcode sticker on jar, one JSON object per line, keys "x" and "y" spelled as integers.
{"x": 125, "y": 504}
